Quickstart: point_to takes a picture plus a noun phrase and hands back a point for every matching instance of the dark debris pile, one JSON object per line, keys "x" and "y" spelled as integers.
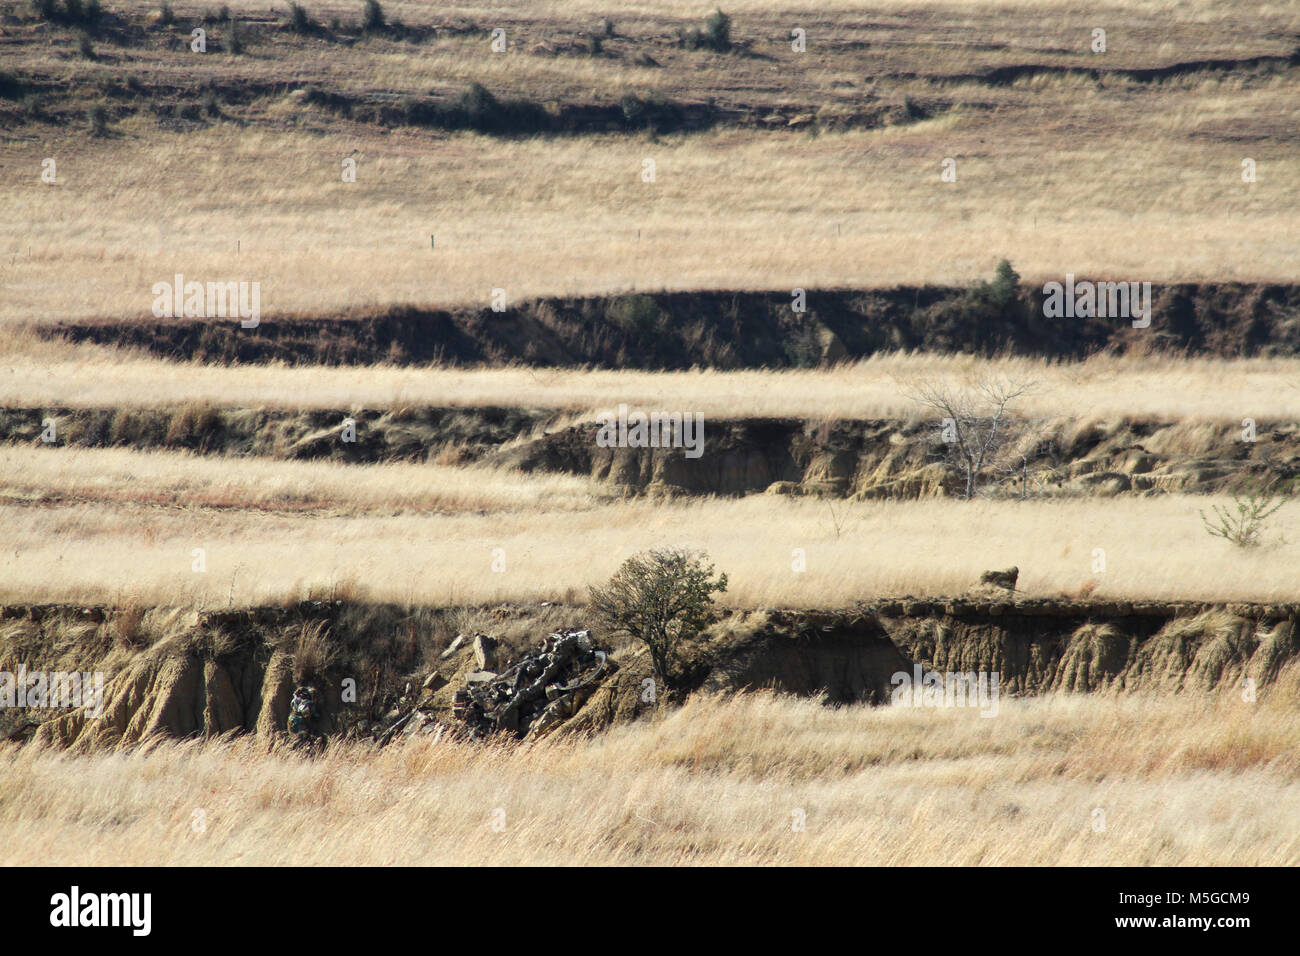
{"x": 538, "y": 692}
{"x": 527, "y": 698}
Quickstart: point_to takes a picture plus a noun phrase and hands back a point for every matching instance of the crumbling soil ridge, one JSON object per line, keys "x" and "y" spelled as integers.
{"x": 725, "y": 330}
{"x": 233, "y": 671}
{"x": 847, "y": 458}
{"x": 888, "y": 459}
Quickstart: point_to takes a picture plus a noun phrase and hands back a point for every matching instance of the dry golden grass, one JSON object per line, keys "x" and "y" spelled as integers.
{"x": 1058, "y": 173}
{"x": 170, "y": 479}
{"x": 35, "y": 373}
{"x": 419, "y": 11}
{"x": 1051, "y": 169}
{"x": 1198, "y": 782}
{"x": 547, "y": 60}
{"x": 542, "y": 217}
{"x": 1154, "y": 548}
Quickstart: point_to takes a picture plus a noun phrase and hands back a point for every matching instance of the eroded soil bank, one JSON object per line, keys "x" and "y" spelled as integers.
{"x": 730, "y": 330}
{"x": 876, "y": 459}
{"x": 184, "y": 673}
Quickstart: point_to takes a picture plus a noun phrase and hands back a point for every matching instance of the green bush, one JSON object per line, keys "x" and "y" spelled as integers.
{"x": 97, "y": 118}
{"x": 803, "y": 348}
{"x": 300, "y": 20}
{"x": 717, "y": 31}
{"x": 638, "y": 315}
{"x": 11, "y": 88}
{"x": 1003, "y": 292}
{"x": 373, "y": 19}
{"x": 716, "y": 34}
{"x": 662, "y": 598}
{"x": 1244, "y": 522}
{"x": 958, "y": 321}
{"x": 479, "y": 110}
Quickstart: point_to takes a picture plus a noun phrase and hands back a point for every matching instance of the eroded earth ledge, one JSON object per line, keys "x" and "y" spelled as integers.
{"x": 181, "y": 673}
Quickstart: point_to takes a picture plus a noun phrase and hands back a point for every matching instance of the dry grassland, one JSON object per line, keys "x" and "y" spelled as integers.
{"x": 177, "y": 479}
{"x": 1059, "y": 172}
{"x": 562, "y": 217}
{"x": 34, "y": 373}
{"x": 1196, "y": 782}
{"x": 127, "y": 542}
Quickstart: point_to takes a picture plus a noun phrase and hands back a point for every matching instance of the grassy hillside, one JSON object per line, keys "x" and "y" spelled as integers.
{"x": 720, "y": 781}
{"x": 474, "y": 228}
{"x": 230, "y": 166}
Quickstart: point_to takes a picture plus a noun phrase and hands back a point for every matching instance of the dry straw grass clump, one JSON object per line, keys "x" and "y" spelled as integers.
{"x": 1210, "y": 391}
{"x": 753, "y": 779}
{"x": 1154, "y": 548}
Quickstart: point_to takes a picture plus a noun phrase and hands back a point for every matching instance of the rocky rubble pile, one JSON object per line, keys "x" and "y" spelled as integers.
{"x": 529, "y": 697}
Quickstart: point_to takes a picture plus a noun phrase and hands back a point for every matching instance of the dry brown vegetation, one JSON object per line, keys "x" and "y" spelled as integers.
{"x": 88, "y": 550}
{"x": 727, "y": 210}
{"x": 1198, "y": 781}
{"x": 1051, "y": 167}
{"x": 1104, "y": 387}
{"x": 813, "y": 170}
{"x": 171, "y": 479}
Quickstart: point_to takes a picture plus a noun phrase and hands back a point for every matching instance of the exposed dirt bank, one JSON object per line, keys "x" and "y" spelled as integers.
{"x": 838, "y": 458}
{"x": 184, "y": 673}
{"x": 730, "y": 330}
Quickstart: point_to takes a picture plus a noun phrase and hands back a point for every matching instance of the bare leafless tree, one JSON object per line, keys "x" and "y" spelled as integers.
{"x": 978, "y": 434}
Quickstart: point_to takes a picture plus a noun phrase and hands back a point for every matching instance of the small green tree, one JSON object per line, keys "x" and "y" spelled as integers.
{"x": 97, "y": 118}
{"x": 717, "y": 31}
{"x": 300, "y": 21}
{"x": 661, "y": 598}
{"x": 716, "y": 34}
{"x": 1003, "y": 293}
{"x": 374, "y": 17}
{"x": 1243, "y": 523}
